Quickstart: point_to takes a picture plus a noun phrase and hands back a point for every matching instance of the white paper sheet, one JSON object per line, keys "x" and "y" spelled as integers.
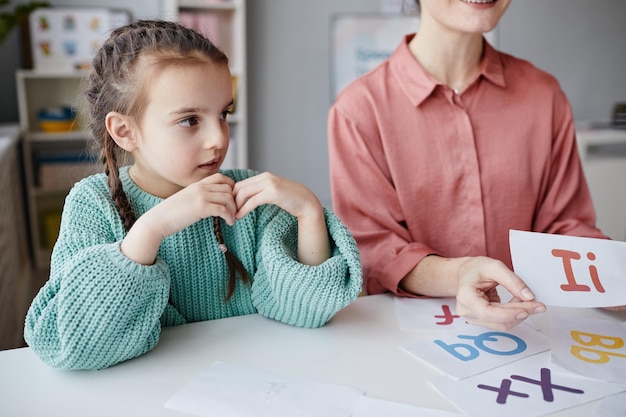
{"x": 229, "y": 390}
{"x": 570, "y": 271}
{"x": 471, "y": 350}
{"x": 613, "y": 406}
{"x": 372, "y": 407}
{"x": 594, "y": 348}
{"x": 526, "y": 388}
{"x": 427, "y": 313}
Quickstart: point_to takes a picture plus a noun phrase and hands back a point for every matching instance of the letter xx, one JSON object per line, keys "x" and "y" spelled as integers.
{"x": 545, "y": 382}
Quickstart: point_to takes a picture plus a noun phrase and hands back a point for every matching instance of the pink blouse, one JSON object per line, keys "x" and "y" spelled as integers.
{"x": 416, "y": 169}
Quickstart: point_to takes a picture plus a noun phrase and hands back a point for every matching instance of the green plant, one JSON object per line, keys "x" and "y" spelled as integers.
{"x": 12, "y": 18}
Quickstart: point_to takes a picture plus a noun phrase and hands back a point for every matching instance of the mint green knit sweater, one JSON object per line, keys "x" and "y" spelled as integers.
{"x": 99, "y": 308}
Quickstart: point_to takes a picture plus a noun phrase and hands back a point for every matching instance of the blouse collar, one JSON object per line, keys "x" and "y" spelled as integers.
{"x": 419, "y": 85}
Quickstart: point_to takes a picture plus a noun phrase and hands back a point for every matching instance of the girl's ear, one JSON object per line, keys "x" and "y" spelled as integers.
{"x": 120, "y": 128}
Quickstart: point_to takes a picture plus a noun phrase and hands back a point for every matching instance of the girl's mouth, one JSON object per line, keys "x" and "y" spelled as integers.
{"x": 211, "y": 165}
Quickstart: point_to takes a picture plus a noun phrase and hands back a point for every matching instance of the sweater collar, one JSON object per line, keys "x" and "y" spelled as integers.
{"x": 142, "y": 200}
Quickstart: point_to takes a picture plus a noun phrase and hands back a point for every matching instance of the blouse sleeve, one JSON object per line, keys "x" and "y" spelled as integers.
{"x": 566, "y": 206}
{"x": 294, "y": 293}
{"x": 389, "y": 251}
{"x": 98, "y": 308}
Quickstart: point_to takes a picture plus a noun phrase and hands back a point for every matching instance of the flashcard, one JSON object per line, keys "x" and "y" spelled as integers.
{"x": 570, "y": 271}
{"x": 613, "y": 406}
{"x": 372, "y": 407}
{"x": 590, "y": 347}
{"x": 471, "y": 350}
{"x": 427, "y": 313}
{"x": 229, "y": 390}
{"x": 526, "y": 388}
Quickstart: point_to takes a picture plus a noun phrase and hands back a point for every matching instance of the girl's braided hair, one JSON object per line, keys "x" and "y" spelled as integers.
{"x": 115, "y": 85}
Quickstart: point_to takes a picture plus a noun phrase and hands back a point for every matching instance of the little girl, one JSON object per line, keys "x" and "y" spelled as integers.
{"x": 171, "y": 239}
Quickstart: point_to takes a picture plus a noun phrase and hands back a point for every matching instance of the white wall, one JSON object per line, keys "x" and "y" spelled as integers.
{"x": 289, "y": 93}
{"x": 581, "y": 42}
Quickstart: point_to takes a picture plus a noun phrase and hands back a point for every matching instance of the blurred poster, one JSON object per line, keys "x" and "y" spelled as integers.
{"x": 398, "y": 6}
{"x": 66, "y": 38}
{"x": 361, "y": 42}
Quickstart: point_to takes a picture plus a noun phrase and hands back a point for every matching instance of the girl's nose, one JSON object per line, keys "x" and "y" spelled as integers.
{"x": 217, "y": 136}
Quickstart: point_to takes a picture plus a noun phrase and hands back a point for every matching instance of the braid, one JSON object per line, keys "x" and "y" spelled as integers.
{"x": 111, "y": 169}
{"x": 235, "y": 267}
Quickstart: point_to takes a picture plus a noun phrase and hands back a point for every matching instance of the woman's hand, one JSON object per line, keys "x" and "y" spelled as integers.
{"x": 478, "y": 301}
{"x": 474, "y": 281}
{"x": 295, "y": 198}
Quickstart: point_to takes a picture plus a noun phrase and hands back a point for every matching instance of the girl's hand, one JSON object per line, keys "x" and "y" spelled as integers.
{"x": 296, "y": 199}
{"x": 212, "y": 196}
{"x": 267, "y": 188}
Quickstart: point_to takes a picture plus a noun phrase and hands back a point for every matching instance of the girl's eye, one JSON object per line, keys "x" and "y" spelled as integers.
{"x": 225, "y": 114}
{"x": 188, "y": 122}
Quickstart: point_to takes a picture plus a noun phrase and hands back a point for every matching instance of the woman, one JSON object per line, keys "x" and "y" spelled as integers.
{"x": 451, "y": 144}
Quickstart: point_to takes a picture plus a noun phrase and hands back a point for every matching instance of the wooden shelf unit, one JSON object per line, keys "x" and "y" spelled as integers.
{"x": 37, "y": 90}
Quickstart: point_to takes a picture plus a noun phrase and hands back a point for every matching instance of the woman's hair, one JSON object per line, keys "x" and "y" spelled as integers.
{"x": 118, "y": 83}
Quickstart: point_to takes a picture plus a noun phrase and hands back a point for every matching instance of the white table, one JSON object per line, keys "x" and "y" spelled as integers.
{"x": 359, "y": 348}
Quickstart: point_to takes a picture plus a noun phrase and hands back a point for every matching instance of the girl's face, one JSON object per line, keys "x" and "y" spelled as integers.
{"x": 464, "y": 16}
{"x": 183, "y": 134}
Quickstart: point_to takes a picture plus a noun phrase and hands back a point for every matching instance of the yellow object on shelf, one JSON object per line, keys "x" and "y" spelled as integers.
{"x": 57, "y": 119}
{"x": 51, "y": 226}
{"x": 55, "y": 126}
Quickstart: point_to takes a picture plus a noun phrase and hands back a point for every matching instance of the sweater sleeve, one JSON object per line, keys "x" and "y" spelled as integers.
{"x": 98, "y": 308}
{"x": 298, "y": 294}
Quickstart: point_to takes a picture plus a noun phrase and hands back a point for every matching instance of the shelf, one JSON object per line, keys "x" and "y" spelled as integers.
{"x": 207, "y": 5}
{"x": 42, "y": 257}
{"x": 78, "y": 135}
{"x": 37, "y": 192}
{"x": 49, "y": 74}
{"x": 48, "y": 214}
{"x": 38, "y": 90}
